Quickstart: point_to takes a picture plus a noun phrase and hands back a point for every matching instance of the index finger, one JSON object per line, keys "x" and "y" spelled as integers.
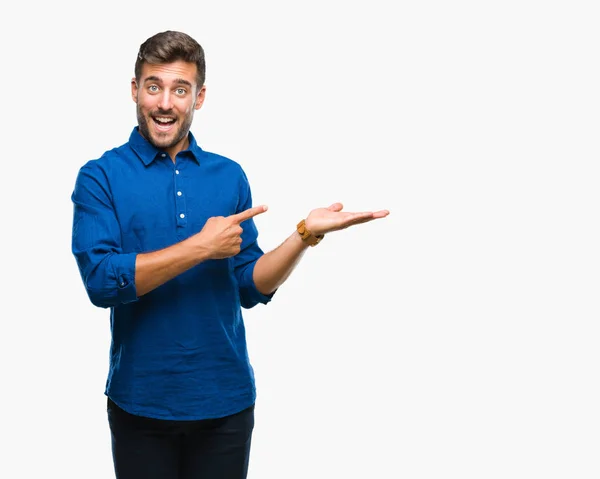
{"x": 249, "y": 213}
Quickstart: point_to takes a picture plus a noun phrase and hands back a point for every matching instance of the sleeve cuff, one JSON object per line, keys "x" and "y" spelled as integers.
{"x": 124, "y": 270}
{"x": 249, "y": 295}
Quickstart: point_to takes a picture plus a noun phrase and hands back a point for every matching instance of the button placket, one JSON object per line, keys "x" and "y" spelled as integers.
{"x": 180, "y": 199}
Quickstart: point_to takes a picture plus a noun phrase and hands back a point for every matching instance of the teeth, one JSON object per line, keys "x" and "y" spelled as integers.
{"x": 164, "y": 120}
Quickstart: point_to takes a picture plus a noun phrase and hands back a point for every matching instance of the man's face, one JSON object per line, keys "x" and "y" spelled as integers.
{"x": 166, "y": 97}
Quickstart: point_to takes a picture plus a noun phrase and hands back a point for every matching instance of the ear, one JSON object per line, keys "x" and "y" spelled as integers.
{"x": 200, "y": 97}
{"x": 134, "y": 89}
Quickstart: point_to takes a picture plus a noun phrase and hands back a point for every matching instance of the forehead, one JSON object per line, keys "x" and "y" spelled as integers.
{"x": 170, "y": 72}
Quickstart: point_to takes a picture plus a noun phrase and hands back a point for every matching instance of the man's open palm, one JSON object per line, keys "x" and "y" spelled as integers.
{"x": 326, "y": 220}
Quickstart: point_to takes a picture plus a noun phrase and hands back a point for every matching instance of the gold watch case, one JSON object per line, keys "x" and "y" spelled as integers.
{"x": 307, "y": 236}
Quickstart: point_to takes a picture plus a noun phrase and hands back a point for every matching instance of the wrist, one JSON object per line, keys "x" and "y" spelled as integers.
{"x": 308, "y": 236}
{"x": 198, "y": 248}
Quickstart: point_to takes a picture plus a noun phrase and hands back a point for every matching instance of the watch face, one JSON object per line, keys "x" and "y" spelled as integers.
{"x": 302, "y": 229}
{"x": 307, "y": 235}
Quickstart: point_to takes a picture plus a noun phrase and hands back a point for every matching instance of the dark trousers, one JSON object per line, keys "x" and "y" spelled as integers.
{"x": 145, "y": 448}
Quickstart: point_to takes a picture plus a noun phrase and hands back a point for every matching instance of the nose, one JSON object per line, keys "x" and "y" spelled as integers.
{"x": 164, "y": 102}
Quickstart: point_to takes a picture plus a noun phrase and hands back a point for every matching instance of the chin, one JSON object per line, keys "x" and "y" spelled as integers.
{"x": 162, "y": 140}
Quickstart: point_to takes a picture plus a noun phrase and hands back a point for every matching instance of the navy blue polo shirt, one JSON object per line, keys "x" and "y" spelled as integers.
{"x": 178, "y": 352}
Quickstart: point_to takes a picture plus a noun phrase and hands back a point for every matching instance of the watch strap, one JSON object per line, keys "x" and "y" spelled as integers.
{"x": 306, "y": 234}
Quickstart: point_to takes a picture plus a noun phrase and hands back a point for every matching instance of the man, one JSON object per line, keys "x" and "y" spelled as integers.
{"x": 164, "y": 236}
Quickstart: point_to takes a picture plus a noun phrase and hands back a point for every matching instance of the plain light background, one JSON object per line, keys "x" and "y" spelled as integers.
{"x": 456, "y": 338}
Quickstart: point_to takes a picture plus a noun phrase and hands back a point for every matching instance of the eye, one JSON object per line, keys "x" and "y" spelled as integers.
{"x": 180, "y": 91}
{"x": 153, "y": 88}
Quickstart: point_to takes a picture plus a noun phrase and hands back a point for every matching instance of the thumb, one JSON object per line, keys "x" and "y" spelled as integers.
{"x": 336, "y": 207}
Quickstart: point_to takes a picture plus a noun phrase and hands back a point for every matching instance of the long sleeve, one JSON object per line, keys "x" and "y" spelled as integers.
{"x": 108, "y": 274}
{"x": 245, "y": 260}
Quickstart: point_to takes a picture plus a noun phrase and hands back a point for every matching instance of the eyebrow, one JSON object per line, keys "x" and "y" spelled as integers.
{"x": 179, "y": 81}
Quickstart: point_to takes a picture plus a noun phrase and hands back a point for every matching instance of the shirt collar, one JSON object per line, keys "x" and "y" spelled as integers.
{"x": 147, "y": 152}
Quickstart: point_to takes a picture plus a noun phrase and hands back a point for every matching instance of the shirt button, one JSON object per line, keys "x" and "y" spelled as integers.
{"x": 176, "y": 172}
{"x": 179, "y": 193}
{"x": 163, "y": 155}
{"x": 182, "y": 216}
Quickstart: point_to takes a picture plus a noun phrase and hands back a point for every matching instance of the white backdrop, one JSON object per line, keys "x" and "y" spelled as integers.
{"x": 457, "y": 337}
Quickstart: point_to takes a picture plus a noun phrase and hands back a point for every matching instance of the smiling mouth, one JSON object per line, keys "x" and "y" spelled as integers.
{"x": 163, "y": 122}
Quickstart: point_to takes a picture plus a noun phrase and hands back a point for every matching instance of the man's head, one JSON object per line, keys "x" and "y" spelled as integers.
{"x": 168, "y": 87}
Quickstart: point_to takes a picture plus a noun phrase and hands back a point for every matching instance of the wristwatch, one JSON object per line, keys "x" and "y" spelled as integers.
{"x": 307, "y": 236}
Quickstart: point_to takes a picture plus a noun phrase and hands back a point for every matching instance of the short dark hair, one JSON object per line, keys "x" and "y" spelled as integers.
{"x": 168, "y": 47}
